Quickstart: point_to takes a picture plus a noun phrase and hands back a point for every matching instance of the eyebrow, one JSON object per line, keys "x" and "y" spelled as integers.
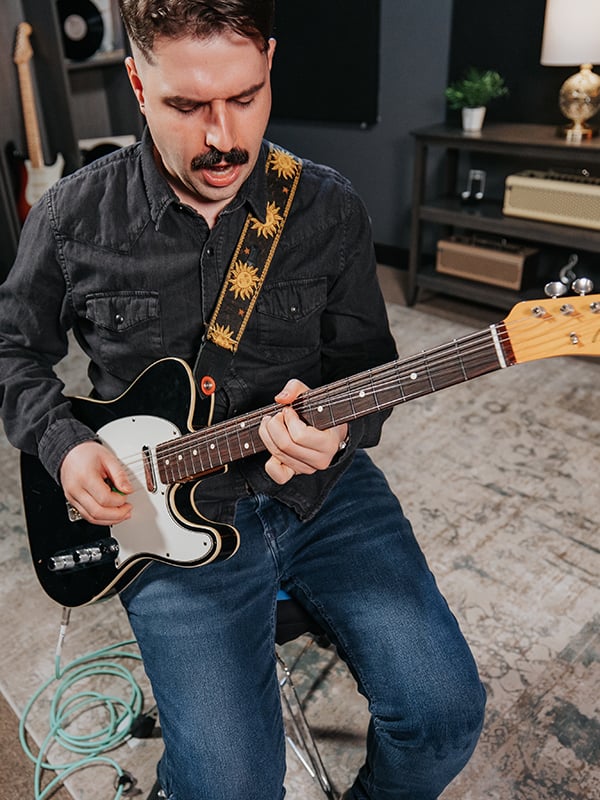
{"x": 177, "y": 98}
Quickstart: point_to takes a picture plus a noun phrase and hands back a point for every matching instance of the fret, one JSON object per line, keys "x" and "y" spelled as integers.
{"x": 460, "y": 360}
{"x": 344, "y": 408}
{"x": 428, "y": 372}
{"x": 481, "y": 360}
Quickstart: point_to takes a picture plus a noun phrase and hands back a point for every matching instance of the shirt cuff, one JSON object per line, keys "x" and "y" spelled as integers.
{"x": 59, "y": 438}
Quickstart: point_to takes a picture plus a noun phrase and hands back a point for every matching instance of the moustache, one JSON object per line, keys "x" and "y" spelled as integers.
{"x": 214, "y": 157}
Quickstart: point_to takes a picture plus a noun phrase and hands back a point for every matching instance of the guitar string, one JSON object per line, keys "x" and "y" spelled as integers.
{"x": 432, "y": 362}
{"x": 369, "y": 377}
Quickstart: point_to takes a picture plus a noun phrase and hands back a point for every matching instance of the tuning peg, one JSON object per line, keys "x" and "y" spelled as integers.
{"x": 582, "y": 286}
{"x": 555, "y": 289}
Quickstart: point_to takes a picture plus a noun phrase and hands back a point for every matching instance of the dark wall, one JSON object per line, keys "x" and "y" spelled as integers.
{"x": 414, "y": 52}
{"x": 507, "y": 36}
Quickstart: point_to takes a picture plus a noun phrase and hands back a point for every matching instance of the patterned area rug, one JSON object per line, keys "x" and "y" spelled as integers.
{"x": 500, "y": 479}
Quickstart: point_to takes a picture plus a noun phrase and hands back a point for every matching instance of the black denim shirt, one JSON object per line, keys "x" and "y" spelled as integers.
{"x": 110, "y": 253}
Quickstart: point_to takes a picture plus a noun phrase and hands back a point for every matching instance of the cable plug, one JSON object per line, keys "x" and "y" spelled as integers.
{"x": 143, "y": 725}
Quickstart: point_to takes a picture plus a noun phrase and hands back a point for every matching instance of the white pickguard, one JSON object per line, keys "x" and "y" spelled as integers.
{"x": 152, "y": 528}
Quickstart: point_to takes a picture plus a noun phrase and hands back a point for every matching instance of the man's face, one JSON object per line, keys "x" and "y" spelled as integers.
{"x": 207, "y": 104}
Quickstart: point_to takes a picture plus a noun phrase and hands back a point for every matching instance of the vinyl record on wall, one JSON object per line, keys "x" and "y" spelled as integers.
{"x": 82, "y": 28}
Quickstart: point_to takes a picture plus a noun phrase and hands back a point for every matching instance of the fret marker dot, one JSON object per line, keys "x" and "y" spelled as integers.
{"x": 194, "y": 452}
{"x": 179, "y": 458}
{"x": 242, "y": 424}
{"x": 320, "y": 409}
{"x": 212, "y": 447}
{"x": 246, "y": 446}
{"x": 413, "y": 376}
{"x": 361, "y": 393}
{"x": 167, "y": 462}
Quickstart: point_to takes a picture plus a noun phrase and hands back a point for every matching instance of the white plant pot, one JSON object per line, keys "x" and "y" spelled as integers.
{"x": 472, "y": 119}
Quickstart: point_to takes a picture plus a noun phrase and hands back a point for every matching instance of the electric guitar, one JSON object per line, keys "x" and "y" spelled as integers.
{"x": 37, "y": 177}
{"x": 150, "y": 429}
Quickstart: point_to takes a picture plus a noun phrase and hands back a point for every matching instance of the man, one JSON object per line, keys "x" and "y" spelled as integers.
{"x": 130, "y": 253}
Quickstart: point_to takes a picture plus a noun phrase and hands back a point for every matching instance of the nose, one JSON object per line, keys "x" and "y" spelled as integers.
{"x": 220, "y": 131}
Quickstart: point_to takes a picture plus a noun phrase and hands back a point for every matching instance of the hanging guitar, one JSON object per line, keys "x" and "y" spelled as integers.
{"x": 36, "y": 176}
{"x": 149, "y": 428}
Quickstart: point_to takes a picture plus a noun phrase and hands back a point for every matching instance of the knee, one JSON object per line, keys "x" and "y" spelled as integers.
{"x": 445, "y": 718}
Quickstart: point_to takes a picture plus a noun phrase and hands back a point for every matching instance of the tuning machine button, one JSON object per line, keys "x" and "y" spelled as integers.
{"x": 582, "y": 286}
{"x": 555, "y": 289}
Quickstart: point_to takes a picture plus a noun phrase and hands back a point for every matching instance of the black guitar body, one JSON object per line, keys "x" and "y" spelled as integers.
{"x": 78, "y": 563}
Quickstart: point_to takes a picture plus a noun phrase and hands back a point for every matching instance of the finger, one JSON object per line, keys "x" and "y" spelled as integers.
{"x": 293, "y": 389}
{"x": 99, "y": 504}
{"x": 97, "y": 514}
{"x": 279, "y": 472}
{"x": 276, "y": 438}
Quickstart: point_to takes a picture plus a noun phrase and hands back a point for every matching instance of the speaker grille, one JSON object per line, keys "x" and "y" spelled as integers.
{"x": 551, "y": 200}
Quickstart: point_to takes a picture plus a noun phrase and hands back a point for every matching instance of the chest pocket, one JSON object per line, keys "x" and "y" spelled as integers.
{"x": 288, "y": 318}
{"x": 127, "y": 329}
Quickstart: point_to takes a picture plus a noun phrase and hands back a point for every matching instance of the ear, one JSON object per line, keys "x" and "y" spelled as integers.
{"x": 135, "y": 81}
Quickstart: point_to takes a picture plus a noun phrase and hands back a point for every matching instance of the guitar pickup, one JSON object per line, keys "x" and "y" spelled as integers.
{"x": 90, "y": 555}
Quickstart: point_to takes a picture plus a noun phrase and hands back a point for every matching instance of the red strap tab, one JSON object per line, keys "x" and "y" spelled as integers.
{"x": 208, "y": 385}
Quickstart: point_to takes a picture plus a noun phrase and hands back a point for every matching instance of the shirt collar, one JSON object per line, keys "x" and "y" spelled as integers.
{"x": 160, "y": 195}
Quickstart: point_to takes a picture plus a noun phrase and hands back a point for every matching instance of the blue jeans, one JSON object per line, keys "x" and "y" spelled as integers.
{"x": 207, "y": 640}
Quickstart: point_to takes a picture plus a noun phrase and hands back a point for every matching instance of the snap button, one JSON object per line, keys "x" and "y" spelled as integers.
{"x": 119, "y": 319}
{"x": 210, "y": 251}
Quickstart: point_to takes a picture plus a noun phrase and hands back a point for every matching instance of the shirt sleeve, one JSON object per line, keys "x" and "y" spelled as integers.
{"x": 34, "y": 320}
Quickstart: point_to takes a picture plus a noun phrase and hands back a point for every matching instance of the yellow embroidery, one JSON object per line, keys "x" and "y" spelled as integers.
{"x": 243, "y": 280}
{"x": 283, "y": 163}
{"x": 268, "y": 228}
{"x": 222, "y": 335}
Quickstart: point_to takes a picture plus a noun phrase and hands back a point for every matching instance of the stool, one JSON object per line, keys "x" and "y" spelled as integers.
{"x": 292, "y": 622}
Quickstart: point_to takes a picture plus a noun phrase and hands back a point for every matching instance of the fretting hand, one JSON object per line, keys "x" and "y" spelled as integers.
{"x": 297, "y": 448}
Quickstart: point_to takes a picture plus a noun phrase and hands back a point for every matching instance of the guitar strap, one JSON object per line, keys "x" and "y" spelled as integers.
{"x": 247, "y": 272}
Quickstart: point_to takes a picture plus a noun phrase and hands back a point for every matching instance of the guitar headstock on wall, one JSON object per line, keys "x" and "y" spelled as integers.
{"x": 23, "y": 50}
{"x": 556, "y": 326}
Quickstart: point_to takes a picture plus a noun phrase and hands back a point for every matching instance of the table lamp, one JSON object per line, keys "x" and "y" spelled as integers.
{"x": 572, "y": 37}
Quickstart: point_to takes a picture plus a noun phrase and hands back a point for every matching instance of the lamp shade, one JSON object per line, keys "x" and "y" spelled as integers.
{"x": 571, "y": 33}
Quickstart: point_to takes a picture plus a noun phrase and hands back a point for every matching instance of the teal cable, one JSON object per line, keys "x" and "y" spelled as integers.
{"x": 91, "y": 746}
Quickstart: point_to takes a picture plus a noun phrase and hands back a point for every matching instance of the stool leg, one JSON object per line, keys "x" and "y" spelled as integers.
{"x": 308, "y": 752}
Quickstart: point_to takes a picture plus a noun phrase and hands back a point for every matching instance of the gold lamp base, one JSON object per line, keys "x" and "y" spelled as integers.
{"x": 579, "y": 100}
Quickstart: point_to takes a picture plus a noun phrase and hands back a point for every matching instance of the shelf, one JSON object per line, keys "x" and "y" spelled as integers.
{"x": 114, "y": 58}
{"x": 487, "y": 216}
{"x": 512, "y": 144}
{"x": 474, "y": 291}
{"x": 513, "y": 139}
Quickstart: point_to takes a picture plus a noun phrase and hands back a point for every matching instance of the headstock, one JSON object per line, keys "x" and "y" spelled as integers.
{"x": 23, "y": 50}
{"x": 555, "y": 326}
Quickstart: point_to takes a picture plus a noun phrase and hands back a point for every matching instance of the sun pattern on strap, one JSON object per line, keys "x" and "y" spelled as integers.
{"x": 257, "y": 243}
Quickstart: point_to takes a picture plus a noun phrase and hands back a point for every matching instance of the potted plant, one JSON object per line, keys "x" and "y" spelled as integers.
{"x": 472, "y": 93}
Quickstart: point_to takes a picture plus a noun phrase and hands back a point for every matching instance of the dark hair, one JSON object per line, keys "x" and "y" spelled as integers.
{"x": 144, "y": 20}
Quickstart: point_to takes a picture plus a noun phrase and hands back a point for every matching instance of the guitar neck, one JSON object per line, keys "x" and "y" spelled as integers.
{"x": 194, "y": 454}
{"x": 32, "y": 128}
